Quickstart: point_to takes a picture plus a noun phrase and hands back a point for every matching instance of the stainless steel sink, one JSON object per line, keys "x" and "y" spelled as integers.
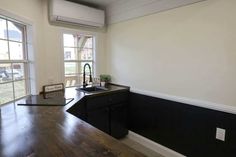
{"x": 93, "y": 89}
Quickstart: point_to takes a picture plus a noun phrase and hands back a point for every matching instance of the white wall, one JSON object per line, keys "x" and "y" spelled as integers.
{"x": 53, "y": 48}
{"x": 47, "y": 39}
{"x": 188, "y": 52}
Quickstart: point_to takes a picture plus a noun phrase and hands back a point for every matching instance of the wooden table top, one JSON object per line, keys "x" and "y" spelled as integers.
{"x": 50, "y": 131}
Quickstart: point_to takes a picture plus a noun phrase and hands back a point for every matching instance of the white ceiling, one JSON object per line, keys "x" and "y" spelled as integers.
{"x": 122, "y": 10}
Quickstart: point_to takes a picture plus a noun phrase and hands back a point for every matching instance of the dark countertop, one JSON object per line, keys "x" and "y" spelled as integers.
{"x": 50, "y": 131}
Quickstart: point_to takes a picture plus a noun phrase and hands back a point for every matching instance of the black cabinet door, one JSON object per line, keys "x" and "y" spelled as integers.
{"x": 99, "y": 118}
{"x": 118, "y": 120}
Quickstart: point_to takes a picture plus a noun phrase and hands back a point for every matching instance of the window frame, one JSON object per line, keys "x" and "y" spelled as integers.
{"x": 25, "y": 61}
{"x": 78, "y": 61}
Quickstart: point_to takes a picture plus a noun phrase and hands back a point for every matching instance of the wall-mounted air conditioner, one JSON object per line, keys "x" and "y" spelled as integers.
{"x": 69, "y": 12}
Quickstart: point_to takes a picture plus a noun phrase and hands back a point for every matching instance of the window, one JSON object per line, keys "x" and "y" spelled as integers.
{"x": 13, "y": 61}
{"x": 78, "y": 50}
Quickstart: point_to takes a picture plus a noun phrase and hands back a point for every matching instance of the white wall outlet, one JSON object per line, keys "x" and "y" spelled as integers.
{"x": 220, "y": 134}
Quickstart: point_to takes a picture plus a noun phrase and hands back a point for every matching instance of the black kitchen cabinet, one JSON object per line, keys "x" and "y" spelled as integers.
{"x": 108, "y": 112}
{"x": 118, "y": 120}
{"x": 99, "y": 118}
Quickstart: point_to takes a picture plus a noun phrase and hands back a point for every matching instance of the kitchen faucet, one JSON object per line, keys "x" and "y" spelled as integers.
{"x": 90, "y": 75}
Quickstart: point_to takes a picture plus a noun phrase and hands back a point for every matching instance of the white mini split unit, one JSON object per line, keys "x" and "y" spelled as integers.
{"x": 69, "y": 12}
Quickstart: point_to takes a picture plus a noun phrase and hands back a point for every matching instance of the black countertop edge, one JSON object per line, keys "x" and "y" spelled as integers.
{"x": 114, "y": 84}
{"x": 82, "y": 95}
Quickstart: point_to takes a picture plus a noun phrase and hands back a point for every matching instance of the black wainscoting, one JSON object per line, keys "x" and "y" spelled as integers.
{"x": 187, "y": 129}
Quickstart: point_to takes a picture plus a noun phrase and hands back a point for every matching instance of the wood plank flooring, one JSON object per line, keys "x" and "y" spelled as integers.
{"x": 139, "y": 147}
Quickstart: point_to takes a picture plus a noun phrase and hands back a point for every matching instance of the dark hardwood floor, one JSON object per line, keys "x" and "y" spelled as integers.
{"x": 50, "y": 131}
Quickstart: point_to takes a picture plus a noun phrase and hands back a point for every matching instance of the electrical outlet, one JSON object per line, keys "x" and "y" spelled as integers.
{"x": 220, "y": 134}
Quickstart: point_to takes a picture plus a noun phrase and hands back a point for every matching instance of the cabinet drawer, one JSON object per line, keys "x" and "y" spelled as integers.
{"x": 97, "y": 102}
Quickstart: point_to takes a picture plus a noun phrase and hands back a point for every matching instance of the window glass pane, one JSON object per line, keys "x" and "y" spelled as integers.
{"x": 5, "y": 73}
{"x": 15, "y": 31}
{"x": 3, "y": 29}
{"x": 89, "y": 42}
{"x": 75, "y": 79}
{"x": 80, "y": 48}
{"x": 81, "y": 79}
{"x": 81, "y": 41}
{"x": 18, "y": 71}
{"x": 69, "y": 40}
{"x": 71, "y": 68}
{"x": 72, "y": 80}
{"x": 70, "y": 54}
{"x": 4, "y": 50}
{"x": 87, "y": 77}
{"x": 16, "y": 51}
{"x": 87, "y": 68}
{"x": 6, "y": 93}
{"x": 86, "y": 54}
{"x": 20, "y": 89}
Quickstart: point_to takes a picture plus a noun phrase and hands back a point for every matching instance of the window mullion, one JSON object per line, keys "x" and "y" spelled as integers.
{"x": 14, "y": 61}
{"x": 25, "y": 50}
{"x": 78, "y": 61}
{"x": 12, "y": 40}
{"x": 8, "y": 45}
{"x": 26, "y": 61}
{"x": 13, "y": 84}
{"x": 9, "y": 57}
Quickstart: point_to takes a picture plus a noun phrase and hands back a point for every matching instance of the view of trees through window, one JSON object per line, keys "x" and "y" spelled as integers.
{"x": 13, "y": 61}
{"x": 78, "y": 50}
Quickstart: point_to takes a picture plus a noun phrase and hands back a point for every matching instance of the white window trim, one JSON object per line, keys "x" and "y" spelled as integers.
{"x": 30, "y": 42}
{"x": 65, "y": 31}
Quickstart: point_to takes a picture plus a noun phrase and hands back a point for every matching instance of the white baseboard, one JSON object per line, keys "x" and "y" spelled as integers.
{"x": 153, "y": 145}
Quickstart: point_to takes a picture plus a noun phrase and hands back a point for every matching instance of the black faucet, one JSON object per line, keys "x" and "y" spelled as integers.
{"x": 90, "y": 75}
